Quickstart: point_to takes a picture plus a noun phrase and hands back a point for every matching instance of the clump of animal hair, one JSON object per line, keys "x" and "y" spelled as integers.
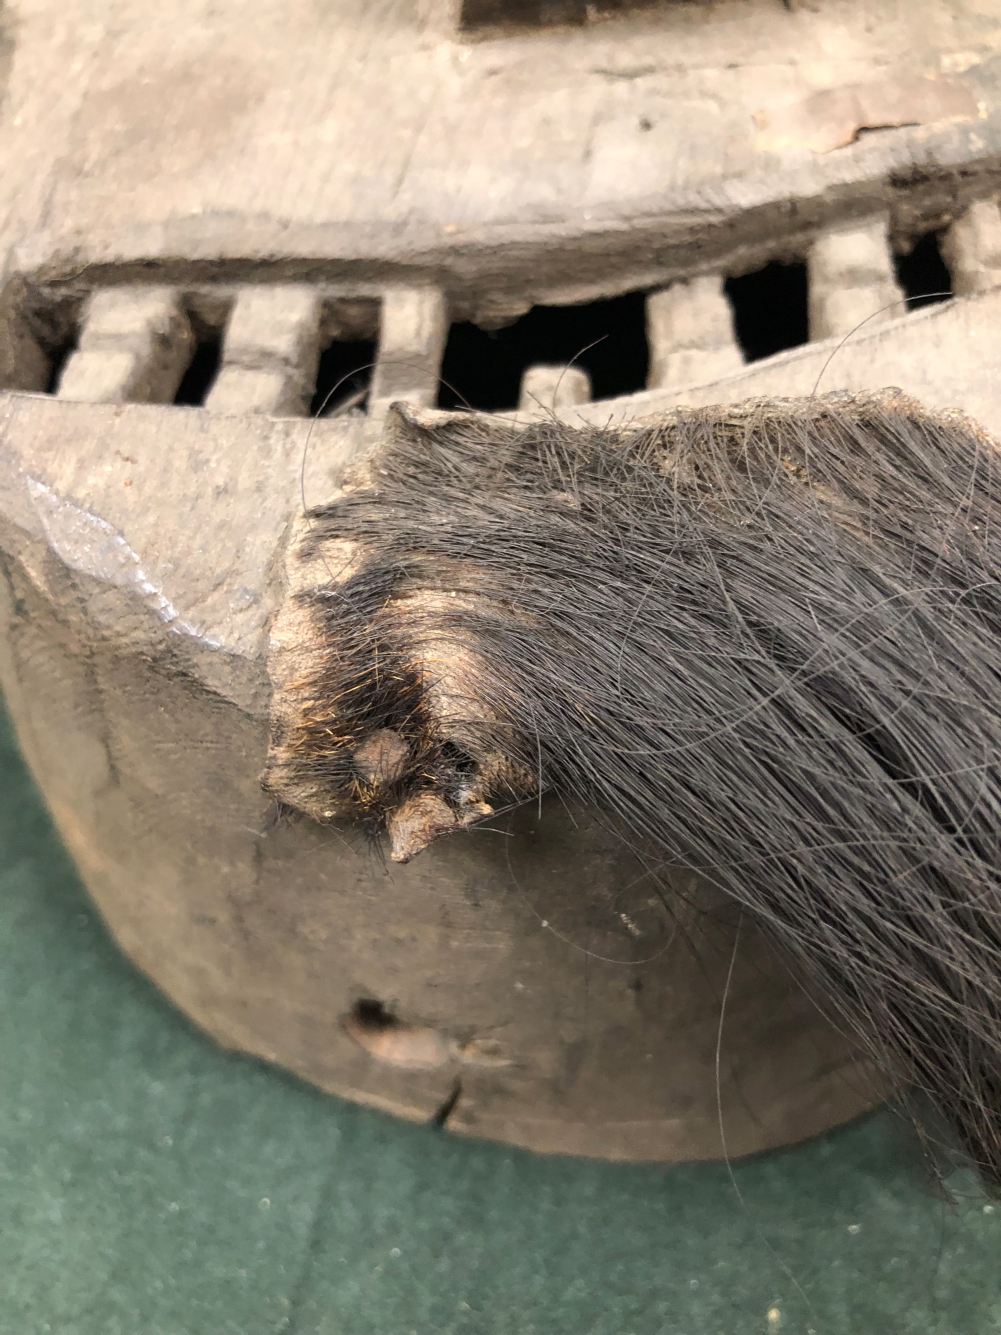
{"x": 766, "y": 638}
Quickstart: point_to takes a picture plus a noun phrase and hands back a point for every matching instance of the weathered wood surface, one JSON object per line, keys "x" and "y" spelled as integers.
{"x": 375, "y": 143}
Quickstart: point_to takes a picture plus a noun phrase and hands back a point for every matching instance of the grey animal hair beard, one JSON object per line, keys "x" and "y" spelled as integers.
{"x": 764, "y": 638}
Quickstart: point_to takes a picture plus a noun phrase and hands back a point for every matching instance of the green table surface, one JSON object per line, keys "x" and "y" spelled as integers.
{"x": 154, "y": 1185}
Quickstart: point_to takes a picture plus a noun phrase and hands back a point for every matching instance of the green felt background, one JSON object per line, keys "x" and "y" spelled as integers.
{"x": 153, "y": 1185}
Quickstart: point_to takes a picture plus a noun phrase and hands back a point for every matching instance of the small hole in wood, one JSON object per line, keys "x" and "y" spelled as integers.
{"x": 371, "y": 1017}
{"x": 769, "y": 309}
{"x": 526, "y": 13}
{"x": 922, "y": 273}
{"x": 476, "y": 14}
{"x": 343, "y": 377}
{"x": 53, "y": 322}
{"x": 58, "y": 358}
{"x": 202, "y": 370}
{"x": 605, "y": 338}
